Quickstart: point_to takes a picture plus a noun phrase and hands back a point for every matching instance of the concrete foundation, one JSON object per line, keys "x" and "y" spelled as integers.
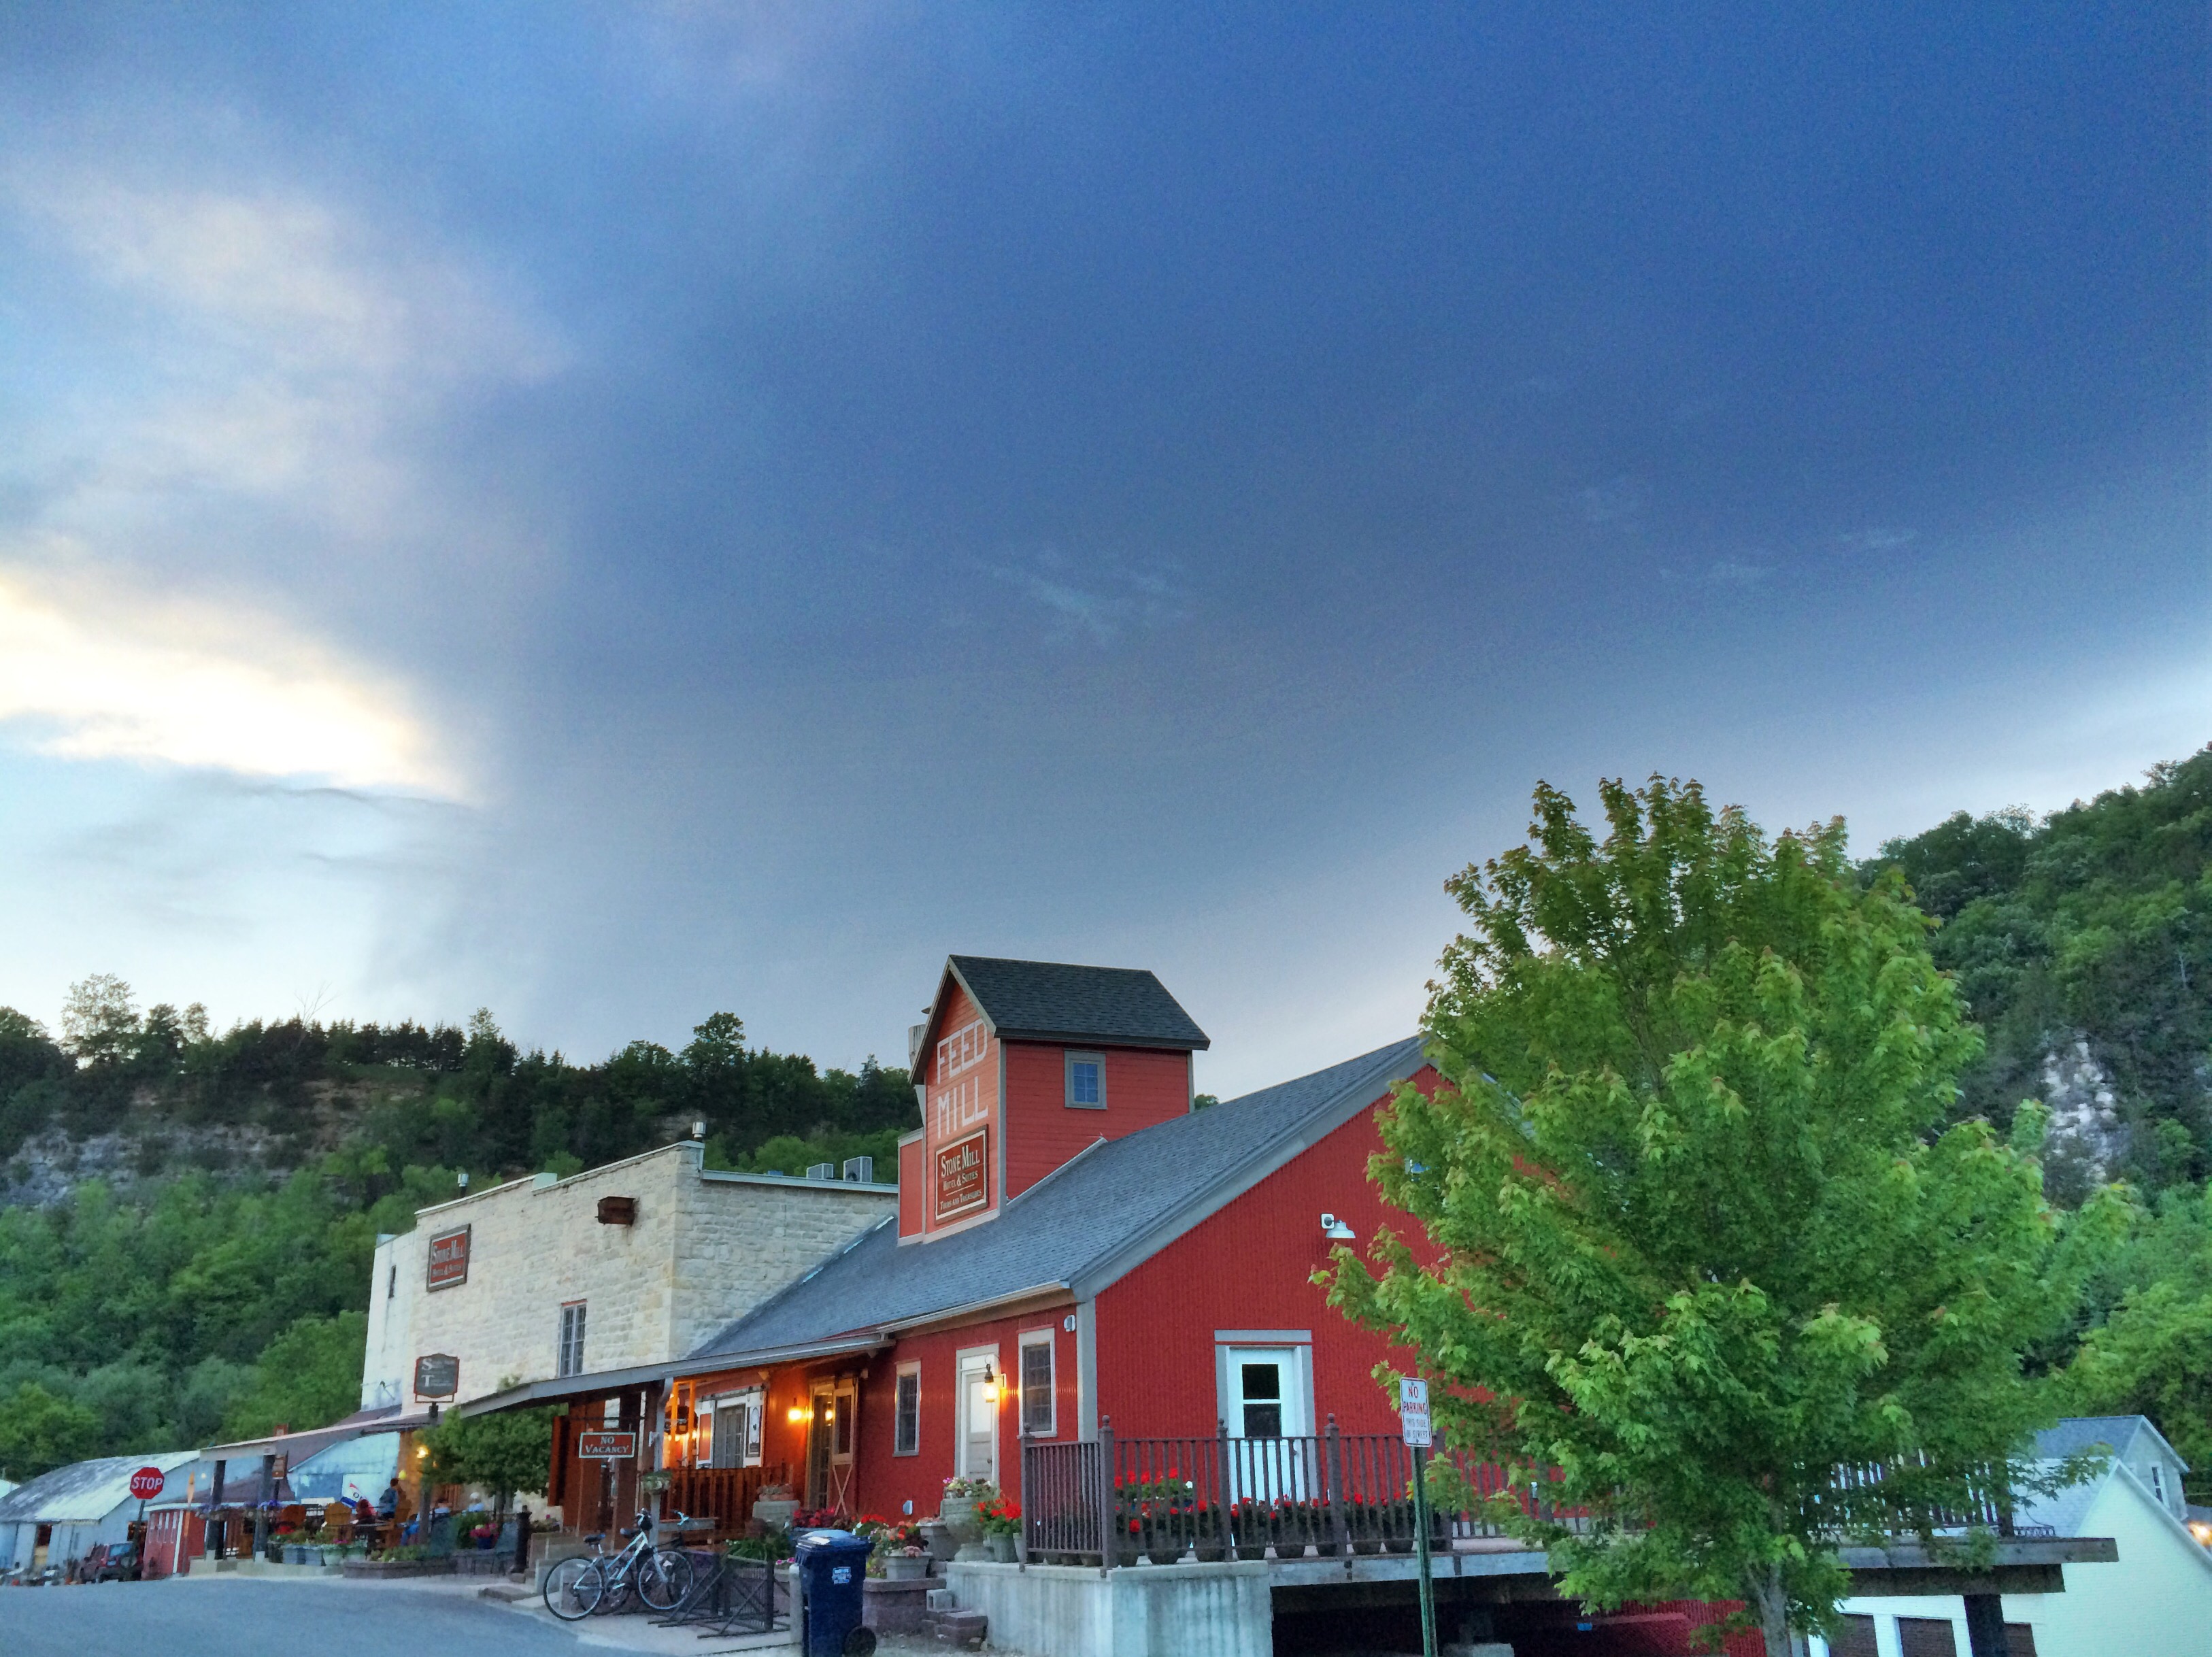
{"x": 1143, "y": 1611}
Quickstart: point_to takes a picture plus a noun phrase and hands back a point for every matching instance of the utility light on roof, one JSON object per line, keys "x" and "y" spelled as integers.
{"x": 1336, "y": 1229}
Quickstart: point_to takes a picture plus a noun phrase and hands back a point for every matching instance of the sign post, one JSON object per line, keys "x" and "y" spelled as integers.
{"x": 1413, "y": 1425}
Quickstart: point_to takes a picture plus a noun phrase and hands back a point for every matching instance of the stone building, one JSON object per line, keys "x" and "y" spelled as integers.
{"x": 631, "y": 1264}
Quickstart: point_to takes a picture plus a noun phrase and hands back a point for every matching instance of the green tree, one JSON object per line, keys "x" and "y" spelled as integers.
{"x": 39, "y": 1432}
{"x": 99, "y": 1021}
{"x": 308, "y": 1376}
{"x": 2152, "y": 1356}
{"x": 1695, "y": 1238}
{"x": 505, "y": 1453}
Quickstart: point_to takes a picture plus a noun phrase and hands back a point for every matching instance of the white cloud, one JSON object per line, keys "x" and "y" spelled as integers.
{"x": 88, "y": 671}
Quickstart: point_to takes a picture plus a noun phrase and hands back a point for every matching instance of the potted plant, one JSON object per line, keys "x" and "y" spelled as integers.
{"x": 775, "y": 1506}
{"x": 485, "y": 1535}
{"x": 1209, "y": 1532}
{"x": 901, "y": 1555}
{"x": 1253, "y": 1529}
{"x": 1000, "y": 1515}
{"x": 956, "y": 1511}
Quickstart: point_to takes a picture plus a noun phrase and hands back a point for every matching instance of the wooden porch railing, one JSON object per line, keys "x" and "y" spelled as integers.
{"x": 726, "y": 1495}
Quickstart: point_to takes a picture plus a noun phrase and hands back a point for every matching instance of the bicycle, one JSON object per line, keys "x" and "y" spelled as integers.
{"x": 599, "y": 1581}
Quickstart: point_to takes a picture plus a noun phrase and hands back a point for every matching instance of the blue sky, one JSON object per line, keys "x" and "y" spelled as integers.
{"x": 615, "y": 513}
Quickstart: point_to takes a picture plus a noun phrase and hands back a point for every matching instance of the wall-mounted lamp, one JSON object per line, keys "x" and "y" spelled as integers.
{"x": 799, "y": 1415}
{"x": 1336, "y": 1229}
{"x": 990, "y": 1383}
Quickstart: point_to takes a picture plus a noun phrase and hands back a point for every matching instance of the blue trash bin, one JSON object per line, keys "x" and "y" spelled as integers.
{"x": 833, "y": 1565}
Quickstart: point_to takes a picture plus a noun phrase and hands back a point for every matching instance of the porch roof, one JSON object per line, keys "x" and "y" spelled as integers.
{"x": 1095, "y": 1218}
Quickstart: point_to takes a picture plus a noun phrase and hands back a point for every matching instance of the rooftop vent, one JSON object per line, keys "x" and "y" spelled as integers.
{"x": 861, "y": 1170}
{"x": 822, "y": 1170}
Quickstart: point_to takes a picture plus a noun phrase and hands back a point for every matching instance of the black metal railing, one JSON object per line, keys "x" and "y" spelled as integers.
{"x": 1160, "y": 1499}
{"x": 1122, "y": 1501}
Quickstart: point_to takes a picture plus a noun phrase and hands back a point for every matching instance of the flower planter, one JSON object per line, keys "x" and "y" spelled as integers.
{"x": 776, "y": 1515}
{"x": 905, "y": 1568}
{"x": 943, "y": 1545}
{"x": 1002, "y": 1548}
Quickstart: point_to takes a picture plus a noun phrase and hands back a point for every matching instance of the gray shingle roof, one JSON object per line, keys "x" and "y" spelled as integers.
{"x": 1052, "y": 1001}
{"x": 1096, "y": 1218}
{"x": 2074, "y": 1434}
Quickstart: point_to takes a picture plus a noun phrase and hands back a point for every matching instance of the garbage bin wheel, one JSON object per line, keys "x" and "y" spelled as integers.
{"x": 861, "y": 1643}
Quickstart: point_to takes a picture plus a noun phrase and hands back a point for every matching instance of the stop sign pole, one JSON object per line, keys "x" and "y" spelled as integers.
{"x": 1414, "y": 1426}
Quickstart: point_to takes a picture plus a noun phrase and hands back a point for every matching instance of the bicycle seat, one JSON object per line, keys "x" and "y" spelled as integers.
{"x": 596, "y": 1538}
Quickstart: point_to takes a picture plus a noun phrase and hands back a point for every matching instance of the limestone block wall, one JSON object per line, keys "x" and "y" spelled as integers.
{"x": 703, "y": 1249}
{"x": 746, "y": 1236}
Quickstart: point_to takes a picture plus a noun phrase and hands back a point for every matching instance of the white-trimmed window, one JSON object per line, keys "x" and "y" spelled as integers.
{"x": 906, "y": 1434}
{"x": 733, "y": 1424}
{"x": 1086, "y": 1081}
{"x": 568, "y": 1353}
{"x": 1040, "y": 1402}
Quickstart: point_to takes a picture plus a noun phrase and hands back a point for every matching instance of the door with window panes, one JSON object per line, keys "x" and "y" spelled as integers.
{"x": 1265, "y": 1409}
{"x": 830, "y": 1439}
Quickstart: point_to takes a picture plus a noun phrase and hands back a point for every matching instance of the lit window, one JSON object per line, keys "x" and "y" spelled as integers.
{"x": 907, "y": 1437}
{"x": 1037, "y": 1414}
{"x": 1086, "y": 1081}
{"x": 569, "y": 1358}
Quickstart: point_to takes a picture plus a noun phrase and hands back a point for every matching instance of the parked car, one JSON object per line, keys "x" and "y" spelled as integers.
{"x": 121, "y": 1565}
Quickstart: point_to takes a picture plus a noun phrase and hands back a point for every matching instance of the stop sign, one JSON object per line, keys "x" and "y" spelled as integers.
{"x": 146, "y": 1483}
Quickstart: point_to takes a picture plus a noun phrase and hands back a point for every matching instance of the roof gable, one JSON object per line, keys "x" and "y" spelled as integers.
{"x": 1092, "y": 1219}
{"x": 1058, "y": 1001}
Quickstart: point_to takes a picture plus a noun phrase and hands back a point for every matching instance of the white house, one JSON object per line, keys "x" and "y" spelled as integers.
{"x": 72, "y": 1510}
{"x": 2154, "y": 1601}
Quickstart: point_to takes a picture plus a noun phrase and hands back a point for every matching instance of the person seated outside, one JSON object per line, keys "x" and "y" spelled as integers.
{"x": 387, "y": 1505}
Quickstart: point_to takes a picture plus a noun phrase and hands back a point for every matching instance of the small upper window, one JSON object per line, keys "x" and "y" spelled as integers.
{"x": 1086, "y": 1081}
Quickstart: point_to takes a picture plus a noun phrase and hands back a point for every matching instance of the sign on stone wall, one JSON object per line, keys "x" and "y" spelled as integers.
{"x": 449, "y": 1258}
{"x": 437, "y": 1375}
{"x": 606, "y": 1446}
{"x": 960, "y": 1169}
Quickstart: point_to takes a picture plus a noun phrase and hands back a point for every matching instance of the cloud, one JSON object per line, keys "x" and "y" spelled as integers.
{"x": 1877, "y": 540}
{"x": 279, "y": 342}
{"x": 88, "y": 671}
{"x": 1103, "y": 601}
{"x": 1617, "y": 501}
{"x": 1722, "y": 573}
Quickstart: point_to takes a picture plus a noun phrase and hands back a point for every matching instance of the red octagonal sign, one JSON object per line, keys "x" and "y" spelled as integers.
{"x": 146, "y": 1483}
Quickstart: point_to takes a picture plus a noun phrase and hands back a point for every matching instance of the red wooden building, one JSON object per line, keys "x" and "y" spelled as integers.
{"x": 1074, "y": 1243}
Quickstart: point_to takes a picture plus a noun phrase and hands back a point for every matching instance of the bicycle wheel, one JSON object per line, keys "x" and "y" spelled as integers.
{"x": 664, "y": 1578}
{"x": 574, "y": 1588}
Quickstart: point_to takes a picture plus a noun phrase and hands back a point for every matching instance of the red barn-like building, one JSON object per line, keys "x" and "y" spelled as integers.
{"x": 1074, "y": 1241}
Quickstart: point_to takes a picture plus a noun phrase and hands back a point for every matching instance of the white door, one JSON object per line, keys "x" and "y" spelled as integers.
{"x": 1270, "y": 1420}
{"x": 979, "y": 1420}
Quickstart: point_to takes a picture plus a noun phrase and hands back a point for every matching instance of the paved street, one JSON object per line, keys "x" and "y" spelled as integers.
{"x": 234, "y": 1616}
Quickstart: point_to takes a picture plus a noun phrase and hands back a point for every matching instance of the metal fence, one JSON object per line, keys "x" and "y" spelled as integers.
{"x": 1331, "y": 1494}
{"x": 1220, "y": 1497}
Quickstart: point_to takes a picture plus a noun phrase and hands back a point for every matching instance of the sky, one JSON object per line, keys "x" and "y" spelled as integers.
{"x": 615, "y": 513}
